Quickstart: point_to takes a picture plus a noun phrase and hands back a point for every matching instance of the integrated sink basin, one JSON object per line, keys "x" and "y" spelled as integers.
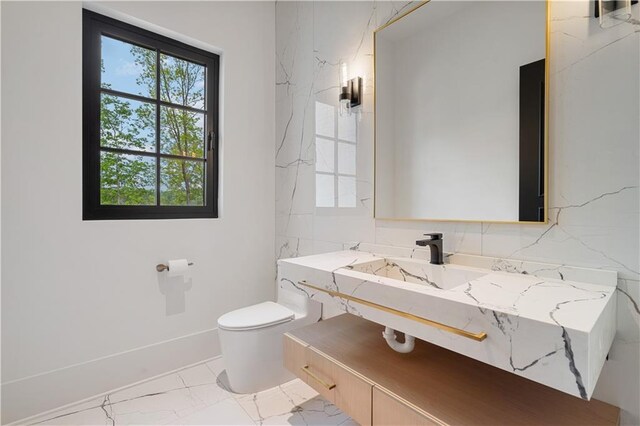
{"x": 553, "y": 324}
{"x": 441, "y": 277}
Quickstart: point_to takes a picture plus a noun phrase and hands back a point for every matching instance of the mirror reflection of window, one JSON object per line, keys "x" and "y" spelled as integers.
{"x": 336, "y": 138}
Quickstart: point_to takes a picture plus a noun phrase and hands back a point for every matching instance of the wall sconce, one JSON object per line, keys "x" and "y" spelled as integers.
{"x": 613, "y": 12}
{"x": 350, "y": 91}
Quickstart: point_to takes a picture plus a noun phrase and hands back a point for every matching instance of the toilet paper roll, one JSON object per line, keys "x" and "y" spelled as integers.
{"x": 178, "y": 267}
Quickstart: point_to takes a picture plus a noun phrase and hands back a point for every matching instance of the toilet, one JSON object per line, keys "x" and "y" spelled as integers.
{"x": 251, "y": 341}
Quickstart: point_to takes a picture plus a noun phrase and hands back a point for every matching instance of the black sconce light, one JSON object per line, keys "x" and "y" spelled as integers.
{"x": 351, "y": 94}
{"x": 613, "y": 12}
{"x": 350, "y": 91}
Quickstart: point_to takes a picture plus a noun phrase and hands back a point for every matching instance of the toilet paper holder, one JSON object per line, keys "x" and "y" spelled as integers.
{"x": 161, "y": 267}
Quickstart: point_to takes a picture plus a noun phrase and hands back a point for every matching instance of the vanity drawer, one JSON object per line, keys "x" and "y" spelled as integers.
{"x": 345, "y": 388}
{"x": 389, "y": 410}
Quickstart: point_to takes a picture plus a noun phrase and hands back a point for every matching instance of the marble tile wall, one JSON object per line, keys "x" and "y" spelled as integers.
{"x": 594, "y": 157}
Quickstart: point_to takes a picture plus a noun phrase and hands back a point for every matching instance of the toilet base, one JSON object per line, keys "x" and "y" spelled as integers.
{"x": 253, "y": 361}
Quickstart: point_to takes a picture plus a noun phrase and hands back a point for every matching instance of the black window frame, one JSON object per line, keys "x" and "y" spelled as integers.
{"x": 96, "y": 25}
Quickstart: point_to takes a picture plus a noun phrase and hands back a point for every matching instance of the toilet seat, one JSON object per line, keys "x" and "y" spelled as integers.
{"x": 253, "y": 317}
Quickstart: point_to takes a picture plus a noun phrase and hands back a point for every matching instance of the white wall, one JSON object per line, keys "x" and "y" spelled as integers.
{"x": 455, "y": 100}
{"x": 82, "y": 299}
{"x": 594, "y": 158}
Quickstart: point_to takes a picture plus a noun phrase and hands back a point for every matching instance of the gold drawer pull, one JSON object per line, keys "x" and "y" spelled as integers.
{"x": 464, "y": 333}
{"x": 317, "y": 379}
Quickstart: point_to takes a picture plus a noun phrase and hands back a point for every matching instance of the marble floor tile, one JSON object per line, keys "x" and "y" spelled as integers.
{"x": 87, "y": 413}
{"x": 293, "y": 403}
{"x": 227, "y": 412}
{"x": 200, "y": 395}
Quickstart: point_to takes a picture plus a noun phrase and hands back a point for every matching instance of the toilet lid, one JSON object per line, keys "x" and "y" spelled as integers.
{"x": 256, "y": 316}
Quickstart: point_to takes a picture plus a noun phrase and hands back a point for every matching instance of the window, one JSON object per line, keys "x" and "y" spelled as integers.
{"x": 150, "y": 120}
{"x": 335, "y": 158}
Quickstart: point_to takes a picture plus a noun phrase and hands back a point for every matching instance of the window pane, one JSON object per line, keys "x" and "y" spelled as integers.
{"x": 325, "y": 191}
{"x": 127, "y": 124}
{"x": 325, "y": 156}
{"x": 181, "y": 82}
{"x": 128, "y": 180}
{"x": 181, "y": 182}
{"x": 347, "y": 128}
{"x": 346, "y": 191}
{"x": 325, "y": 120}
{"x": 128, "y": 68}
{"x": 346, "y": 158}
{"x": 181, "y": 132}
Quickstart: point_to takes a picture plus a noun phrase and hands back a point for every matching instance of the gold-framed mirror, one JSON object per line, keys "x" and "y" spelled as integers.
{"x": 461, "y": 113}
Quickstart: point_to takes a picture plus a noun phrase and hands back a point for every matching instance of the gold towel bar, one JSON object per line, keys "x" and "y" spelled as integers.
{"x": 474, "y": 336}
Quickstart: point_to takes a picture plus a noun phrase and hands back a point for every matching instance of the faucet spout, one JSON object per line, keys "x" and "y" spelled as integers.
{"x": 434, "y": 242}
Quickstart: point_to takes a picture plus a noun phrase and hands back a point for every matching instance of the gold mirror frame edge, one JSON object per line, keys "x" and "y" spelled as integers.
{"x": 546, "y": 133}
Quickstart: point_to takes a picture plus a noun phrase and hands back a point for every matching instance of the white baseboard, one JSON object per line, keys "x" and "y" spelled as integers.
{"x": 51, "y": 390}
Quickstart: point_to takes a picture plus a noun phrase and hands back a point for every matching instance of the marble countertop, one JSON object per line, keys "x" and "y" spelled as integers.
{"x": 577, "y": 305}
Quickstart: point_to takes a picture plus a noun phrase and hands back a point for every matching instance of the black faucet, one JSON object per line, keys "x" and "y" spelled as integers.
{"x": 435, "y": 244}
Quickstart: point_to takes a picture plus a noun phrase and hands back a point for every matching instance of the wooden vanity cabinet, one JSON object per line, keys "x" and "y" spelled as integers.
{"x": 389, "y": 410}
{"x": 346, "y": 360}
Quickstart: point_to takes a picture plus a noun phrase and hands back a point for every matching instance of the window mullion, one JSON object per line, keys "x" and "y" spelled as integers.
{"x": 157, "y": 127}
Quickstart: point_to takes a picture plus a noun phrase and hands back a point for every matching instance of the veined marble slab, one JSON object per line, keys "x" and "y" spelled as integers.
{"x": 541, "y": 324}
{"x": 538, "y": 269}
